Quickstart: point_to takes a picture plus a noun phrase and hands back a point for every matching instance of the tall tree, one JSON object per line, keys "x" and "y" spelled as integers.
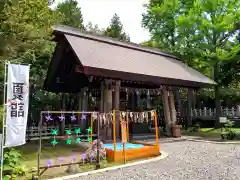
{"x": 72, "y": 15}
{"x": 26, "y": 27}
{"x": 204, "y": 32}
{"x": 94, "y": 29}
{"x": 115, "y": 29}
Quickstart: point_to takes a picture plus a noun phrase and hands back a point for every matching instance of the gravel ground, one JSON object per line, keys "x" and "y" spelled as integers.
{"x": 186, "y": 161}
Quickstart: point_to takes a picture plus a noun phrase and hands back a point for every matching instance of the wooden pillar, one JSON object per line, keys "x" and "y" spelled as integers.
{"x": 116, "y": 105}
{"x": 62, "y": 123}
{"x": 84, "y": 105}
{"x": 167, "y": 115}
{"x": 102, "y": 97}
{"x": 107, "y": 107}
{"x": 80, "y": 97}
{"x": 189, "y": 107}
{"x": 179, "y": 102}
{"x": 172, "y": 108}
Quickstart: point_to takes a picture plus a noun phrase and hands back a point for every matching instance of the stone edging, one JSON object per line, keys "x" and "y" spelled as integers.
{"x": 163, "y": 155}
{"x": 213, "y": 142}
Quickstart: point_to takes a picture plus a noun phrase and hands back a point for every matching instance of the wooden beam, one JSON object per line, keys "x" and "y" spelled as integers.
{"x": 79, "y": 69}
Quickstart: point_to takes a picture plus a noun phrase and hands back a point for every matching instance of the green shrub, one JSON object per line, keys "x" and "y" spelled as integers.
{"x": 196, "y": 127}
{"x": 231, "y": 135}
{"x": 228, "y": 126}
{"x": 12, "y": 167}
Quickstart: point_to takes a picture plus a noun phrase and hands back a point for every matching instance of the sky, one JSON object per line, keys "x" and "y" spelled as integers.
{"x": 130, "y": 12}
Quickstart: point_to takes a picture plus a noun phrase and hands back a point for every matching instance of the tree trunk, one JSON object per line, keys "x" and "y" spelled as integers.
{"x": 217, "y": 97}
{"x": 62, "y": 123}
{"x": 218, "y": 107}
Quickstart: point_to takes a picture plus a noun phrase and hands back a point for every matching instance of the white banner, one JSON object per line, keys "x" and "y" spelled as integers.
{"x": 17, "y": 104}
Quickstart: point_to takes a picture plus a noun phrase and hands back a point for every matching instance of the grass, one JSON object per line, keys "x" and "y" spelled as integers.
{"x": 29, "y": 159}
{"x": 30, "y": 155}
{"x": 30, "y": 149}
{"x": 208, "y": 132}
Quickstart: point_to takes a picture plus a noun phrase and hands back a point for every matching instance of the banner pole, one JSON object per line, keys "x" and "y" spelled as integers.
{"x": 3, "y": 118}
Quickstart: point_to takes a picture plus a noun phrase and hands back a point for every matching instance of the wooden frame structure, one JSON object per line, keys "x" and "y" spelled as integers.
{"x": 149, "y": 150}
{"x": 45, "y": 168}
{"x": 83, "y": 62}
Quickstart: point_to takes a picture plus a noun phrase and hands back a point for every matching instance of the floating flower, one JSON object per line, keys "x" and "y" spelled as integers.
{"x": 54, "y": 132}
{"x": 73, "y": 117}
{"x": 84, "y": 156}
{"x": 61, "y": 118}
{"x": 54, "y": 142}
{"x": 49, "y": 162}
{"x": 60, "y": 159}
{"x": 74, "y": 158}
{"x": 84, "y": 117}
{"x": 77, "y": 130}
{"x": 78, "y": 140}
{"x": 48, "y": 117}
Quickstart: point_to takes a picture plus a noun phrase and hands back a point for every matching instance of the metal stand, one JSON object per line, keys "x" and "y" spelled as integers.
{"x": 3, "y": 118}
{"x": 39, "y": 145}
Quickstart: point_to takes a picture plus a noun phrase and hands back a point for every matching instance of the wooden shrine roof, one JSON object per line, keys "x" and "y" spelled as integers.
{"x": 105, "y": 57}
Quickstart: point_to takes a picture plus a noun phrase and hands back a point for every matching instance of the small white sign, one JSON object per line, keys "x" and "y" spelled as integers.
{"x": 223, "y": 119}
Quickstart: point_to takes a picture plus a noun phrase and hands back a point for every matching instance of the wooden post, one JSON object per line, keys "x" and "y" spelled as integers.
{"x": 189, "y": 109}
{"x": 116, "y": 104}
{"x": 124, "y": 136}
{"x": 80, "y": 97}
{"x": 167, "y": 116}
{"x": 91, "y": 135}
{"x": 114, "y": 133}
{"x": 156, "y": 128}
{"x": 84, "y": 105}
{"x": 62, "y": 126}
{"x": 102, "y": 98}
{"x": 127, "y": 126}
{"x": 172, "y": 108}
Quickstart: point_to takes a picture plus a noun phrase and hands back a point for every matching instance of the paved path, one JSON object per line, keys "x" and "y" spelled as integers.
{"x": 186, "y": 161}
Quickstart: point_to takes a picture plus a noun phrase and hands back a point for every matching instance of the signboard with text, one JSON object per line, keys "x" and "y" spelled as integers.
{"x": 17, "y": 104}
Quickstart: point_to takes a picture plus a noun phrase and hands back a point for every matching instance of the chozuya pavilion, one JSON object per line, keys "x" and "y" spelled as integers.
{"x": 108, "y": 70}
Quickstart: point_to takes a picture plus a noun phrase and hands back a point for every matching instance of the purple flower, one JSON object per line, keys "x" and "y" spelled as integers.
{"x": 84, "y": 156}
{"x": 92, "y": 156}
{"x": 84, "y": 117}
{"x": 73, "y": 117}
{"x": 49, "y": 162}
{"x": 73, "y": 158}
{"x": 48, "y": 117}
{"x": 60, "y": 159}
{"x": 61, "y": 118}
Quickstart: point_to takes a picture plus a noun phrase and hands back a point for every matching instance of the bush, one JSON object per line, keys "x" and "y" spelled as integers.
{"x": 228, "y": 126}
{"x": 12, "y": 167}
{"x": 196, "y": 128}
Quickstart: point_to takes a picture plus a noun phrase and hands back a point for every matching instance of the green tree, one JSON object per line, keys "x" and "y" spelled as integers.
{"x": 94, "y": 29}
{"x": 115, "y": 29}
{"x": 72, "y": 15}
{"x": 26, "y": 27}
{"x": 202, "y": 32}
